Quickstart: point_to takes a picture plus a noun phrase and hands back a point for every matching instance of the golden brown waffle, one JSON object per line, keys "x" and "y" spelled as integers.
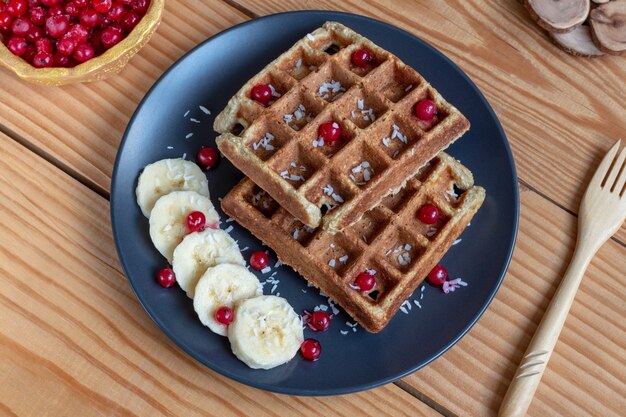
{"x": 388, "y": 239}
{"x": 315, "y": 82}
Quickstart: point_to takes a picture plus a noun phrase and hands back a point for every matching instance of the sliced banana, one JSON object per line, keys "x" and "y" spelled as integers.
{"x": 168, "y": 219}
{"x": 167, "y": 175}
{"x": 223, "y": 285}
{"x": 265, "y": 332}
{"x": 199, "y": 251}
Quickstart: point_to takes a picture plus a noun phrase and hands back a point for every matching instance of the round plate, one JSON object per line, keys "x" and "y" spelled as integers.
{"x": 352, "y": 359}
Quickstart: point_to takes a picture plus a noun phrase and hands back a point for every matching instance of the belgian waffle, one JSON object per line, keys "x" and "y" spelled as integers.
{"x": 388, "y": 239}
{"x": 315, "y": 82}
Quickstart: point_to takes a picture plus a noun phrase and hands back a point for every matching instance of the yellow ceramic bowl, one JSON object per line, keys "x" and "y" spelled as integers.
{"x": 109, "y": 63}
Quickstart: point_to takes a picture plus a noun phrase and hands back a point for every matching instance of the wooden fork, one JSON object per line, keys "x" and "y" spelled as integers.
{"x": 602, "y": 212}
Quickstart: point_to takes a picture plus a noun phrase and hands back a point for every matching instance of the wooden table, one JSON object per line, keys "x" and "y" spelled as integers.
{"x": 75, "y": 341}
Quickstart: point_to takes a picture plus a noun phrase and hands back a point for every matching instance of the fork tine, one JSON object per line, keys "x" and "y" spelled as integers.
{"x": 615, "y": 170}
{"x": 604, "y": 166}
{"x": 621, "y": 180}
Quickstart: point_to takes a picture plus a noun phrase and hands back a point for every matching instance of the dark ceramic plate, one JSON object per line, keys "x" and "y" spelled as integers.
{"x": 352, "y": 359}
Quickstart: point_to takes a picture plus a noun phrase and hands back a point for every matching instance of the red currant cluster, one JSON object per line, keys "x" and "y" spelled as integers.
{"x": 61, "y": 33}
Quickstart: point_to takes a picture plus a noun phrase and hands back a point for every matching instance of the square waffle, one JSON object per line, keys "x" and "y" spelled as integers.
{"x": 382, "y": 141}
{"x": 389, "y": 239}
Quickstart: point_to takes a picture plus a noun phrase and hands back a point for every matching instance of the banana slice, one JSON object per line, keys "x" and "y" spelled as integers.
{"x": 265, "y": 332}
{"x": 199, "y": 251}
{"x": 165, "y": 176}
{"x": 169, "y": 216}
{"x": 223, "y": 285}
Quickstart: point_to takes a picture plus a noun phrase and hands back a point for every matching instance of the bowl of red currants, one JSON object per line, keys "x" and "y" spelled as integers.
{"x": 57, "y": 42}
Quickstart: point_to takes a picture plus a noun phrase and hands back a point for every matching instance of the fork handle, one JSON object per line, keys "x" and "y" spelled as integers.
{"x": 534, "y": 362}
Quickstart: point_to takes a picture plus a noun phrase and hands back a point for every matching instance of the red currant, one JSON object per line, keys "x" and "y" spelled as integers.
{"x": 61, "y": 61}
{"x": 21, "y": 26}
{"x": 116, "y": 12}
{"x": 81, "y": 3}
{"x": 361, "y": 58}
{"x": 28, "y": 56}
{"x": 425, "y": 110}
{"x": 42, "y": 59}
{"x": 261, "y": 93}
{"x": 57, "y": 26}
{"x": 17, "y": 46}
{"x": 208, "y": 157}
{"x": 50, "y": 3}
{"x": 224, "y": 315}
{"x": 102, "y": 6}
{"x": 196, "y": 221}
{"x": 166, "y": 277}
{"x": 130, "y": 20}
{"x": 319, "y": 320}
{"x": 89, "y": 17}
{"x": 428, "y": 214}
{"x": 34, "y": 3}
{"x": 72, "y": 9}
{"x": 34, "y": 34}
{"x": 83, "y": 52}
{"x": 365, "y": 281}
{"x": 311, "y": 349}
{"x": 38, "y": 15}
{"x": 104, "y": 22}
{"x": 259, "y": 260}
{"x": 66, "y": 46}
{"x": 44, "y": 45}
{"x": 16, "y": 7}
{"x": 79, "y": 33}
{"x": 330, "y": 132}
{"x": 5, "y": 20}
{"x": 438, "y": 275}
{"x": 110, "y": 37}
{"x": 139, "y": 6}
{"x": 55, "y": 10}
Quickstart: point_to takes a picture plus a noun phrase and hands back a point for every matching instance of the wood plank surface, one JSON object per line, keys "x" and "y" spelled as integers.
{"x": 586, "y": 375}
{"x": 80, "y": 126}
{"x": 74, "y": 340}
{"x": 560, "y": 113}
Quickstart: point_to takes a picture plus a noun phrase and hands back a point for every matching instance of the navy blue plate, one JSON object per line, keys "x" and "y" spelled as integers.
{"x": 352, "y": 359}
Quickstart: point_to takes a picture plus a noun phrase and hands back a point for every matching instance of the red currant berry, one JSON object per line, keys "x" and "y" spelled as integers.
{"x": 33, "y": 3}
{"x": 5, "y": 20}
{"x": 89, "y": 17}
{"x": 17, "y": 46}
{"x": 259, "y": 260}
{"x": 16, "y": 7}
{"x": 66, "y": 46}
{"x": 261, "y": 93}
{"x": 35, "y": 34}
{"x": 44, "y": 45}
{"x": 61, "y": 61}
{"x": 79, "y": 33}
{"x": 425, "y": 110}
{"x": 330, "y": 132}
{"x": 83, "y": 52}
{"x": 110, "y": 37}
{"x": 196, "y": 221}
{"x": 55, "y": 10}
{"x": 319, "y": 321}
{"x": 438, "y": 275}
{"x": 71, "y": 9}
{"x": 42, "y": 59}
{"x": 365, "y": 281}
{"x": 21, "y": 26}
{"x": 81, "y": 4}
{"x": 428, "y": 214}
{"x": 57, "y": 26}
{"x": 116, "y": 12}
{"x": 50, "y": 3}
{"x": 28, "y": 56}
{"x": 207, "y": 157}
{"x": 166, "y": 277}
{"x": 140, "y": 6}
{"x": 37, "y": 16}
{"x": 130, "y": 20}
{"x": 224, "y": 315}
{"x": 361, "y": 58}
{"x": 311, "y": 349}
{"x": 102, "y": 6}
{"x": 104, "y": 22}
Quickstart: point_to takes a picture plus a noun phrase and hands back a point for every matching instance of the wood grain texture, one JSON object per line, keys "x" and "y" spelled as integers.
{"x": 74, "y": 340}
{"x": 80, "y": 126}
{"x": 561, "y": 113}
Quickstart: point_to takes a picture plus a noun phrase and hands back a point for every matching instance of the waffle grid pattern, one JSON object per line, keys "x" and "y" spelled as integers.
{"x": 279, "y": 147}
{"x": 388, "y": 239}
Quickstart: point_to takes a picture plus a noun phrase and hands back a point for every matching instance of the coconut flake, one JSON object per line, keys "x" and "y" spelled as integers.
{"x": 205, "y": 110}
